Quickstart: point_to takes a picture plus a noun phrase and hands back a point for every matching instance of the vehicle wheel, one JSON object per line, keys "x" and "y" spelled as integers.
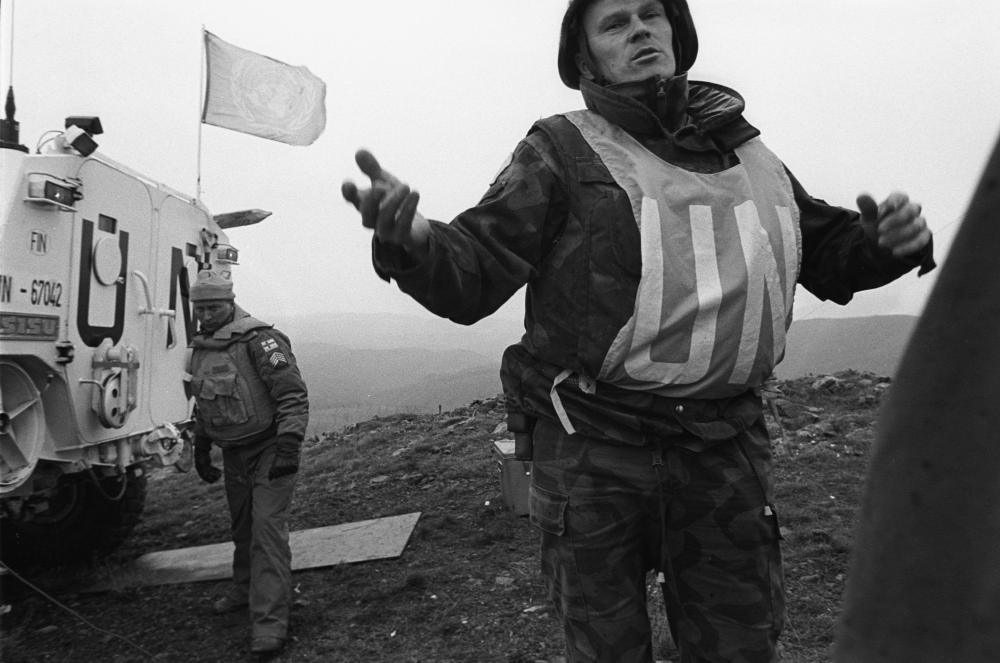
{"x": 83, "y": 520}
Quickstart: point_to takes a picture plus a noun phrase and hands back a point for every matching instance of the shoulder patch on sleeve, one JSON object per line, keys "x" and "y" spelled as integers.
{"x": 503, "y": 170}
{"x": 500, "y": 179}
{"x": 268, "y": 344}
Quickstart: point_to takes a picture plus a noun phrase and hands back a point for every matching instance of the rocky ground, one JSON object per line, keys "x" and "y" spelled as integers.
{"x": 466, "y": 588}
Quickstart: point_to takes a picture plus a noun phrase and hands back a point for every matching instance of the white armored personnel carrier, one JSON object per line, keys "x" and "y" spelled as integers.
{"x": 95, "y": 265}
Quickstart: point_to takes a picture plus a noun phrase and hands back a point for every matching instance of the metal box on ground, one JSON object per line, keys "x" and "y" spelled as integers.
{"x": 515, "y": 477}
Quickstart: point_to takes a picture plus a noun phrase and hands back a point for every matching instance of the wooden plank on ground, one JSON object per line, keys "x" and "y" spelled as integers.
{"x": 381, "y": 538}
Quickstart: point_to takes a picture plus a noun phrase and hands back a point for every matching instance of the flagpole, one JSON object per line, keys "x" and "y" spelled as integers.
{"x": 201, "y": 102}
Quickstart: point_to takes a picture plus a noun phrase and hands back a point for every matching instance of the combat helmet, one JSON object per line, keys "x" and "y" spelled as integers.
{"x": 685, "y": 38}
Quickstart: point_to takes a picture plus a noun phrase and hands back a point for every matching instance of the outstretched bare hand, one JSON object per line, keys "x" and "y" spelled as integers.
{"x": 388, "y": 207}
{"x": 896, "y": 224}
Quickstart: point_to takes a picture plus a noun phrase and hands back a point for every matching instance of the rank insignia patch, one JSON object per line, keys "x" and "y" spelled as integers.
{"x": 277, "y": 359}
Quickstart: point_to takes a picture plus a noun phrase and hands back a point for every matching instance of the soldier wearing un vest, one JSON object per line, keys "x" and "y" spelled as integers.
{"x": 251, "y": 402}
{"x": 660, "y": 242}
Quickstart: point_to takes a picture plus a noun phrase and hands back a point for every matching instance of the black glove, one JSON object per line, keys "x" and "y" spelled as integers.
{"x": 203, "y": 460}
{"x": 286, "y": 457}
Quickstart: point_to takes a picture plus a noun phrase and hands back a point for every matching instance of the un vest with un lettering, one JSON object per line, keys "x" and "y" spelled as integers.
{"x": 721, "y": 254}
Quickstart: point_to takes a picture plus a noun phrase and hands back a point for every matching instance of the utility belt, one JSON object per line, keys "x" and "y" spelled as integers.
{"x": 534, "y": 388}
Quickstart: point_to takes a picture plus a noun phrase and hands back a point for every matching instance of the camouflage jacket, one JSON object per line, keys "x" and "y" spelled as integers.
{"x": 581, "y": 260}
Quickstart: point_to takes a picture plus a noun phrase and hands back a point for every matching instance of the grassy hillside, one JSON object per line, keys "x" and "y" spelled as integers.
{"x": 466, "y": 588}
{"x": 338, "y": 375}
{"x": 347, "y": 385}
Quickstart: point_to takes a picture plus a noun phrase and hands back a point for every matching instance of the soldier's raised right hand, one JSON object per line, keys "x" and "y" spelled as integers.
{"x": 388, "y": 207}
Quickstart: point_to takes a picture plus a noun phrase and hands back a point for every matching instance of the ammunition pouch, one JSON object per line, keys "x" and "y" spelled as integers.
{"x": 522, "y": 426}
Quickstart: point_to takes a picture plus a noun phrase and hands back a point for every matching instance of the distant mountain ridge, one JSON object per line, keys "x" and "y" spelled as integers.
{"x": 361, "y": 364}
{"x": 395, "y": 330}
{"x": 823, "y": 346}
{"x": 347, "y": 385}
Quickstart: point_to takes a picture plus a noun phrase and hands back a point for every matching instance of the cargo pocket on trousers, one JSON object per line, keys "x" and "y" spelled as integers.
{"x": 547, "y": 511}
{"x": 756, "y": 452}
{"x": 776, "y": 568}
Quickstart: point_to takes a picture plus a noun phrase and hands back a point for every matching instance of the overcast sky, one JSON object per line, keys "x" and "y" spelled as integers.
{"x": 855, "y": 95}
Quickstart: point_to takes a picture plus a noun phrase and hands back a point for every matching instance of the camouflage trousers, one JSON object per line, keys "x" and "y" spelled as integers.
{"x": 262, "y": 557}
{"x": 699, "y": 512}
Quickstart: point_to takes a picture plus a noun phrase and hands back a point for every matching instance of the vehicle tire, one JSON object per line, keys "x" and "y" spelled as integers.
{"x": 81, "y": 523}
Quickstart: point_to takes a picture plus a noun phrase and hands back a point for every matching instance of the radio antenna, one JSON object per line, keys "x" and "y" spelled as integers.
{"x": 8, "y": 41}
{"x": 10, "y": 129}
